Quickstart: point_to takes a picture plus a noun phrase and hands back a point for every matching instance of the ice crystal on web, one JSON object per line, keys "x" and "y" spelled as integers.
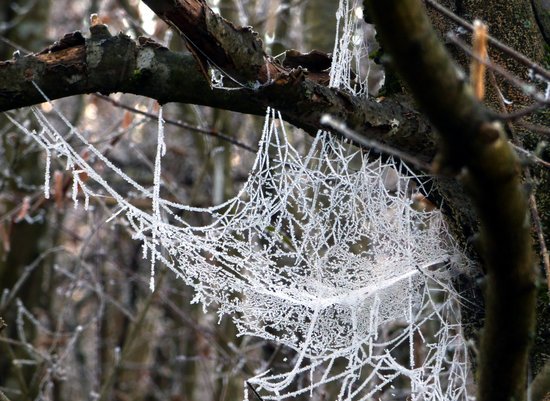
{"x": 323, "y": 251}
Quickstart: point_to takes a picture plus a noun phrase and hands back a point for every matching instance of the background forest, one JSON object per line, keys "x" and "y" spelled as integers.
{"x": 79, "y": 318}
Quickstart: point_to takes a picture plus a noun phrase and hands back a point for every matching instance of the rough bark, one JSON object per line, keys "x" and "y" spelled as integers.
{"x": 514, "y": 23}
{"x": 108, "y": 64}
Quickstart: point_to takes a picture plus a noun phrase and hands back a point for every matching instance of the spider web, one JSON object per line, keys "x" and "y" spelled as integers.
{"x": 323, "y": 251}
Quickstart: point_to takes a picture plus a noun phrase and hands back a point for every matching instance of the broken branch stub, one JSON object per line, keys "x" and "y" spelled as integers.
{"x": 216, "y": 42}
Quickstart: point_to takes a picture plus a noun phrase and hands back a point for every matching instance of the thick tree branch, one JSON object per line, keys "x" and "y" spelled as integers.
{"x": 237, "y": 51}
{"x": 107, "y": 64}
{"x": 75, "y": 65}
{"x": 479, "y": 148}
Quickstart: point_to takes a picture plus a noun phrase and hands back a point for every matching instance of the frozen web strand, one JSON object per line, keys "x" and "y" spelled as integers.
{"x": 350, "y": 51}
{"x": 325, "y": 289}
{"x": 157, "y": 222}
{"x": 322, "y": 251}
{"x": 337, "y": 252}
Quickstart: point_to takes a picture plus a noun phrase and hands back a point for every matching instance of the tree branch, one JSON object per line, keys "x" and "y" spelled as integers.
{"x": 478, "y": 147}
{"x": 107, "y": 64}
{"x": 216, "y": 42}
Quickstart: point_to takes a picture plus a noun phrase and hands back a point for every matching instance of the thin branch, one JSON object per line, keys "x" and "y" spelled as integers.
{"x": 531, "y": 156}
{"x": 210, "y": 132}
{"x": 27, "y": 271}
{"x": 516, "y": 115}
{"x": 353, "y": 136}
{"x": 130, "y": 340}
{"x": 17, "y": 368}
{"x": 3, "y": 397}
{"x": 539, "y": 129}
{"x": 495, "y": 42}
{"x": 540, "y": 233}
{"x": 236, "y": 51}
{"x": 17, "y": 47}
{"x": 254, "y": 390}
{"x": 527, "y": 88}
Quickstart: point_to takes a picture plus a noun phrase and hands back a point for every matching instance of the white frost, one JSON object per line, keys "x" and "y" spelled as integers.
{"x": 317, "y": 252}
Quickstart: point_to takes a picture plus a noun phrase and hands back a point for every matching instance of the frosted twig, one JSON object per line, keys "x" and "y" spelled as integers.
{"x": 355, "y": 137}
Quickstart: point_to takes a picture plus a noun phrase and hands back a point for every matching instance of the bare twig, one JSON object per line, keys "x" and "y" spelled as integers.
{"x": 3, "y": 397}
{"x": 540, "y": 234}
{"x": 209, "y": 132}
{"x": 530, "y": 155}
{"x": 516, "y": 115}
{"x": 495, "y": 42}
{"x": 527, "y": 88}
{"x": 254, "y": 390}
{"x": 539, "y": 129}
{"x": 17, "y": 369}
{"x": 477, "y": 68}
{"x": 130, "y": 340}
{"x": 355, "y": 137}
{"x": 24, "y": 277}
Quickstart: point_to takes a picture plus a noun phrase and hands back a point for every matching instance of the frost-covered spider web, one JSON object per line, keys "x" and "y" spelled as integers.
{"x": 323, "y": 251}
